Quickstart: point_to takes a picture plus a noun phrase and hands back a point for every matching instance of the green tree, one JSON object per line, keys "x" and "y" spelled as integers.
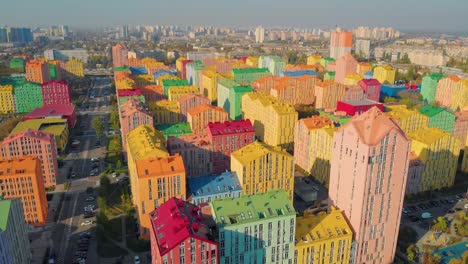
{"x": 97, "y": 125}
{"x": 105, "y": 185}
{"x": 102, "y": 219}
{"x": 114, "y": 118}
{"x": 411, "y": 252}
{"x": 118, "y": 165}
{"x": 102, "y": 205}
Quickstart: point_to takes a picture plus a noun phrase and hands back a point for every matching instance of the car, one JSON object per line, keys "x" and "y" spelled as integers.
{"x": 451, "y": 211}
{"x": 136, "y": 260}
{"x": 87, "y": 222}
{"x": 92, "y": 173}
{"x": 459, "y": 196}
{"x": 93, "y": 159}
{"x": 406, "y": 211}
{"x": 72, "y": 175}
{"x": 422, "y": 206}
{"x": 90, "y": 199}
{"x": 458, "y": 209}
{"x": 114, "y": 175}
{"x": 89, "y": 190}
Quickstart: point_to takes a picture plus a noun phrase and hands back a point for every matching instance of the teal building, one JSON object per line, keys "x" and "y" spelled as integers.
{"x": 230, "y": 96}
{"x": 246, "y": 76}
{"x": 175, "y": 130}
{"x": 439, "y": 117}
{"x": 429, "y": 86}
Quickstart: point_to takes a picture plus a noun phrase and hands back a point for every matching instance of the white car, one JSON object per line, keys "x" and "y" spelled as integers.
{"x": 114, "y": 175}
{"x": 136, "y": 260}
{"x": 88, "y": 222}
{"x": 466, "y": 206}
{"x": 90, "y": 199}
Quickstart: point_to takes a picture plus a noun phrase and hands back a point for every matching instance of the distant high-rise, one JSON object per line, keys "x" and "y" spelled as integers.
{"x": 368, "y": 180}
{"x": 19, "y": 35}
{"x": 362, "y": 48}
{"x": 340, "y": 43}
{"x": 123, "y": 32}
{"x": 259, "y": 34}
{"x": 119, "y": 55}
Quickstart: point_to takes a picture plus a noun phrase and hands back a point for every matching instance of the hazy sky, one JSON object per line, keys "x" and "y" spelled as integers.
{"x": 427, "y": 15}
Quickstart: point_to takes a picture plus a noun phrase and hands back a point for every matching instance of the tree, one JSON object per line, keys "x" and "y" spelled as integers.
{"x": 440, "y": 224}
{"x": 105, "y": 185}
{"x": 97, "y": 125}
{"x": 411, "y": 252}
{"x": 114, "y": 118}
{"x": 118, "y": 165}
{"x": 102, "y": 205}
{"x": 389, "y": 99}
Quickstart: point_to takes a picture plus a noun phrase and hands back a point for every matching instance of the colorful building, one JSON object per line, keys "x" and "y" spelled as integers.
{"x": 246, "y": 76}
{"x": 329, "y": 76}
{"x": 452, "y": 92}
{"x": 66, "y": 111}
{"x": 200, "y": 116}
{"x": 352, "y": 108}
{"x": 325, "y": 61}
{"x": 36, "y": 144}
{"x": 190, "y": 101}
{"x": 209, "y": 84}
{"x": 439, "y": 117}
{"x": 274, "y": 64}
{"x": 328, "y": 93}
{"x": 246, "y": 232}
{"x": 152, "y": 93}
{"x": 429, "y": 86}
{"x": 273, "y": 121}
{"x": 55, "y": 71}
{"x": 353, "y": 93}
{"x": 352, "y": 79}
{"x": 18, "y": 63}
{"x": 193, "y": 72}
{"x": 295, "y": 90}
{"x": 22, "y": 178}
{"x": 415, "y": 174}
{"x": 208, "y": 188}
{"x": 132, "y": 114}
{"x": 119, "y": 55}
{"x": 324, "y": 234}
{"x": 387, "y": 90}
{"x": 227, "y": 137}
{"x": 28, "y": 96}
{"x": 37, "y": 71}
{"x": 257, "y": 166}
{"x": 230, "y": 96}
{"x": 168, "y": 83}
{"x": 439, "y": 152}
{"x": 56, "y": 92}
{"x": 179, "y": 91}
{"x": 409, "y": 120}
{"x": 371, "y": 88}
{"x": 385, "y": 74}
{"x": 180, "y": 234}
{"x": 313, "y": 140}
{"x": 165, "y": 112}
{"x": 175, "y": 130}
{"x": 341, "y": 43}
{"x": 56, "y": 126}
{"x": 363, "y": 68}
{"x": 368, "y": 181}
{"x": 313, "y": 59}
{"x": 14, "y": 240}
{"x": 464, "y": 166}
{"x": 74, "y": 67}
{"x": 460, "y": 129}
{"x": 7, "y": 99}
{"x": 345, "y": 65}
{"x": 265, "y": 84}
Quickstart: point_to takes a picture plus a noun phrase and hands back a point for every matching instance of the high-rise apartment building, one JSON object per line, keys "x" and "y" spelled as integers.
{"x": 371, "y": 88}
{"x": 74, "y": 67}
{"x": 165, "y": 112}
{"x": 460, "y": 129}
{"x": 28, "y": 96}
{"x": 205, "y": 189}
{"x": 259, "y": 34}
{"x": 22, "y": 178}
{"x": 345, "y": 65}
{"x": 37, "y": 71}
{"x": 132, "y": 114}
{"x": 230, "y": 96}
{"x": 340, "y": 43}
{"x": 256, "y": 228}
{"x": 200, "y": 116}
{"x": 368, "y": 180}
{"x": 7, "y": 99}
{"x": 190, "y": 101}
{"x": 56, "y": 92}
{"x": 452, "y": 92}
{"x": 328, "y": 93}
{"x": 439, "y": 117}
{"x": 363, "y": 48}
{"x": 36, "y": 144}
{"x": 409, "y": 120}
{"x": 119, "y": 55}
{"x": 385, "y": 74}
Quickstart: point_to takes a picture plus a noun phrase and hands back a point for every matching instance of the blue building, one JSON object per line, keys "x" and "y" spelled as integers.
{"x": 208, "y": 188}
{"x": 388, "y": 90}
{"x": 369, "y": 75}
{"x": 162, "y": 72}
{"x": 138, "y": 70}
{"x": 299, "y": 73}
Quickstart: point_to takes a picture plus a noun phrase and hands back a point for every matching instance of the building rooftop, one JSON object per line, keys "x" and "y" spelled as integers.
{"x": 214, "y": 184}
{"x": 251, "y": 208}
{"x": 50, "y": 125}
{"x": 56, "y": 110}
{"x": 55, "y": 82}
{"x": 434, "y": 76}
{"x": 250, "y": 70}
{"x": 145, "y": 141}
{"x": 368, "y": 82}
{"x": 428, "y": 135}
{"x": 175, "y": 221}
{"x": 430, "y": 110}
{"x": 189, "y": 141}
{"x": 5, "y": 207}
{"x": 316, "y": 122}
{"x": 256, "y": 150}
{"x": 203, "y": 108}
{"x": 338, "y": 120}
{"x": 314, "y": 228}
{"x": 14, "y": 166}
{"x": 175, "y": 82}
{"x": 128, "y": 92}
{"x": 361, "y": 102}
{"x": 400, "y": 111}
{"x": 230, "y": 127}
{"x": 271, "y": 101}
{"x": 154, "y": 166}
{"x": 168, "y": 130}
{"x": 31, "y": 133}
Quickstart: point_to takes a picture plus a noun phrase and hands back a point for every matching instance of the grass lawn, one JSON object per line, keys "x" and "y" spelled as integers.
{"x": 112, "y": 156}
{"x": 108, "y": 249}
{"x": 113, "y": 229}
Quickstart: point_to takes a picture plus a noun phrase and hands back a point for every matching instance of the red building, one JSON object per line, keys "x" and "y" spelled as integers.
{"x": 227, "y": 137}
{"x": 56, "y": 92}
{"x": 66, "y": 111}
{"x": 180, "y": 234}
{"x": 183, "y": 73}
{"x": 357, "y": 107}
{"x": 128, "y": 92}
{"x": 371, "y": 88}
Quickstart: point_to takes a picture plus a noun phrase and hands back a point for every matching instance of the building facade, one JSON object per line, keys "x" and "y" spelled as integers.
{"x": 119, "y": 55}
{"x": 439, "y": 117}
{"x": 132, "y": 114}
{"x": 7, "y": 99}
{"x": 208, "y": 188}
{"x": 371, "y": 88}
{"x": 28, "y": 96}
{"x": 429, "y": 86}
{"x": 74, "y": 67}
{"x": 409, "y": 120}
{"x": 37, "y": 71}
{"x": 352, "y": 108}
{"x": 346, "y": 64}
{"x": 56, "y": 92}
{"x": 385, "y": 74}
{"x": 190, "y": 101}
{"x": 200, "y": 116}
{"x": 328, "y": 93}
{"x": 165, "y": 112}
{"x": 341, "y": 43}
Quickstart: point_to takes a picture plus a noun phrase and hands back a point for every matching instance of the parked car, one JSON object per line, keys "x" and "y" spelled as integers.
{"x": 136, "y": 260}
{"x": 87, "y": 222}
{"x": 90, "y": 199}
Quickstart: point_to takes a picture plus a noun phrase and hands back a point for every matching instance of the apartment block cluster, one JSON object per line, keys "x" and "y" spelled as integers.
{"x": 228, "y": 129}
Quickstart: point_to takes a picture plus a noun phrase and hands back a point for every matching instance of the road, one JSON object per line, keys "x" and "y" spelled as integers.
{"x": 68, "y": 226}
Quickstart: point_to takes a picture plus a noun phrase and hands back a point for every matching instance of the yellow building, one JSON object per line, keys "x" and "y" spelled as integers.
{"x": 313, "y": 59}
{"x": 144, "y": 79}
{"x": 460, "y": 96}
{"x": 439, "y": 151}
{"x": 179, "y": 63}
{"x": 363, "y": 68}
{"x": 209, "y": 84}
{"x": 261, "y": 167}
{"x": 166, "y": 77}
{"x": 165, "y": 112}
{"x": 75, "y": 67}
{"x": 125, "y": 82}
{"x": 273, "y": 121}
{"x": 385, "y": 74}
{"x": 352, "y": 79}
{"x": 323, "y": 238}
{"x": 177, "y": 92}
{"x": 7, "y": 99}
{"x": 313, "y": 143}
{"x": 252, "y": 61}
{"x": 409, "y": 120}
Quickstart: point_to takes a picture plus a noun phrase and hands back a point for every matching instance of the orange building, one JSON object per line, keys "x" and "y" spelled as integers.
{"x": 22, "y": 178}
{"x": 158, "y": 179}
{"x": 200, "y": 116}
{"x": 363, "y": 68}
{"x": 152, "y": 93}
{"x": 295, "y": 90}
{"x": 327, "y": 94}
{"x": 37, "y": 71}
{"x": 265, "y": 84}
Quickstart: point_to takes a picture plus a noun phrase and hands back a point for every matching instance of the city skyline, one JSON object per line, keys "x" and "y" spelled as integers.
{"x": 430, "y": 17}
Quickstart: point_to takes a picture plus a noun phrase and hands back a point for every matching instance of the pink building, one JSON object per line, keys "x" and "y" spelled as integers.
{"x": 56, "y": 92}
{"x": 352, "y": 108}
{"x": 132, "y": 114}
{"x": 196, "y": 151}
{"x": 200, "y": 116}
{"x": 66, "y": 111}
{"x": 37, "y": 144}
{"x": 368, "y": 181}
{"x": 415, "y": 173}
{"x": 345, "y": 65}
{"x": 371, "y": 88}
{"x": 461, "y": 126}
{"x": 446, "y": 89}
{"x": 353, "y": 93}
{"x": 119, "y": 55}
{"x": 180, "y": 234}
{"x": 190, "y": 101}
{"x": 128, "y": 92}
{"x": 227, "y": 137}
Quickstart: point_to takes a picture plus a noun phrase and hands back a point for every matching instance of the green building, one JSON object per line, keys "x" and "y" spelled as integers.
{"x": 439, "y": 117}
{"x": 246, "y": 76}
{"x": 429, "y": 86}
{"x": 168, "y": 83}
{"x": 119, "y": 69}
{"x": 329, "y": 76}
{"x": 230, "y": 96}
{"x": 275, "y": 64}
{"x": 53, "y": 72}
{"x": 28, "y": 96}
{"x": 257, "y": 228}
{"x": 175, "y": 130}
{"x": 14, "y": 240}
{"x": 17, "y": 63}
{"x": 324, "y": 61}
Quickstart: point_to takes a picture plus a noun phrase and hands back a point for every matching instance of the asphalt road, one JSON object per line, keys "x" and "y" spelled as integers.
{"x": 69, "y": 224}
